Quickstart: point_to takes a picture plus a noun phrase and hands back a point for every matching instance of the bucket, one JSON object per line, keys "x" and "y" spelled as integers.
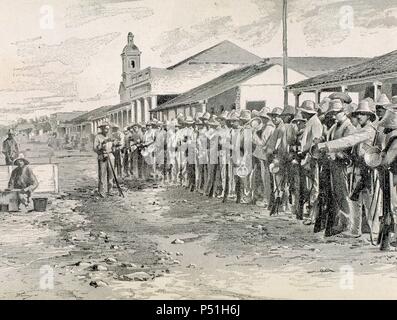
{"x": 40, "y": 204}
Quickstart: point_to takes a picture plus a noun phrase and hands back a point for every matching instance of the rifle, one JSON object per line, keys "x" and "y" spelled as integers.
{"x": 386, "y": 221}
{"x": 115, "y": 177}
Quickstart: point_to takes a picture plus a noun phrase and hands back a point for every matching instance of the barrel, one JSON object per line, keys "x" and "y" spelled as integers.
{"x": 40, "y": 204}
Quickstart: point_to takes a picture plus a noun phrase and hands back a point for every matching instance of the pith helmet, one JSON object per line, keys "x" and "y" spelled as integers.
{"x": 205, "y": 116}
{"x": 224, "y": 115}
{"x": 245, "y": 115}
{"x": 288, "y": 111}
{"x": 342, "y": 96}
{"x": 213, "y": 122}
{"x": 364, "y": 108}
{"x": 275, "y": 112}
{"x": 389, "y": 120}
{"x": 335, "y": 106}
{"x": 189, "y": 120}
{"x": 233, "y": 116}
{"x": 299, "y": 117}
{"x": 382, "y": 101}
{"x": 264, "y": 113}
{"x": 308, "y": 106}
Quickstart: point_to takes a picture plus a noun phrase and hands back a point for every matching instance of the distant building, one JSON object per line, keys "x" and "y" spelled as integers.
{"x": 369, "y": 78}
{"x": 149, "y": 92}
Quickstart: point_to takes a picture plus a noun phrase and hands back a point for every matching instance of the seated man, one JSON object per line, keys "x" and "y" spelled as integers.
{"x": 23, "y": 179}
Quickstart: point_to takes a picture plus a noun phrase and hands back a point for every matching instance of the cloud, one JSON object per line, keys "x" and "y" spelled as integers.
{"x": 85, "y": 12}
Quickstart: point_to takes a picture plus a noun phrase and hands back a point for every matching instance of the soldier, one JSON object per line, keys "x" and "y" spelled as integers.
{"x": 103, "y": 146}
{"x": 311, "y": 135}
{"x": 202, "y": 152}
{"x": 262, "y": 177}
{"x": 213, "y": 157}
{"x": 10, "y": 148}
{"x": 380, "y": 105}
{"x": 300, "y": 188}
{"x": 198, "y": 126}
{"x": 388, "y": 171}
{"x": 363, "y": 177}
{"x": 287, "y": 116}
{"x": 276, "y": 151}
{"x": 172, "y": 143}
{"x": 134, "y": 147}
{"x": 339, "y": 164}
{"x": 118, "y": 138}
{"x": 148, "y": 140}
{"x": 224, "y": 156}
{"x": 242, "y": 157}
{"x": 126, "y": 151}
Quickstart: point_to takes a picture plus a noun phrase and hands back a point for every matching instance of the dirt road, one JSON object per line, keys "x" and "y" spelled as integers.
{"x": 85, "y": 247}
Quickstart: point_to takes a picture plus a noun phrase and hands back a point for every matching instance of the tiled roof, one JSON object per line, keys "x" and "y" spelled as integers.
{"x": 216, "y": 86}
{"x": 225, "y": 52}
{"x": 186, "y": 77}
{"x": 376, "y": 67}
{"x": 314, "y": 66}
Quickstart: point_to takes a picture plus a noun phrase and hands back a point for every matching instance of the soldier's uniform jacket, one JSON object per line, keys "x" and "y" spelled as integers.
{"x": 389, "y": 154}
{"x": 202, "y": 155}
{"x": 118, "y": 139}
{"x": 262, "y": 141}
{"x": 213, "y": 145}
{"x": 337, "y": 131}
{"x": 313, "y": 130}
{"x": 360, "y": 138}
{"x": 103, "y": 146}
{"x": 277, "y": 143}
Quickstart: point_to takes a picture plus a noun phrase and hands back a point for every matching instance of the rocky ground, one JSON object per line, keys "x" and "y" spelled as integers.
{"x": 163, "y": 242}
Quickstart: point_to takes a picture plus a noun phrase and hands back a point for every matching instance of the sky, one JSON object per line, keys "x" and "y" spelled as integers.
{"x": 61, "y": 55}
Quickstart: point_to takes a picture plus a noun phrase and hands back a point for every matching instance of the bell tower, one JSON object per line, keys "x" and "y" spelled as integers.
{"x": 131, "y": 58}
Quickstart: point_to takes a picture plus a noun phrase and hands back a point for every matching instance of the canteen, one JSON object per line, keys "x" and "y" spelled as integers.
{"x": 274, "y": 167}
{"x": 372, "y": 157}
{"x": 242, "y": 171}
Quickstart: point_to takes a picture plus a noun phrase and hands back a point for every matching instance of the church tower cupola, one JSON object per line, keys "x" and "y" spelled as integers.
{"x": 131, "y": 57}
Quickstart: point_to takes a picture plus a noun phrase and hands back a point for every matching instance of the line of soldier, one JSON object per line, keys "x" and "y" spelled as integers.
{"x": 330, "y": 165}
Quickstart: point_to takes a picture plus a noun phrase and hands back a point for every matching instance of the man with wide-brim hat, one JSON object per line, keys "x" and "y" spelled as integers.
{"x": 364, "y": 109}
{"x": 380, "y": 105}
{"x": 342, "y": 96}
{"x": 262, "y": 177}
{"x": 312, "y": 132}
{"x": 276, "y": 150}
{"x": 103, "y": 146}
{"x": 23, "y": 179}
{"x": 341, "y": 138}
{"x": 245, "y": 116}
{"x": 10, "y": 147}
{"x": 118, "y": 142}
{"x": 388, "y": 165}
{"x": 263, "y": 113}
{"x": 205, "y": 117}
{"x": 288, "y": 114}
{"x": 213, "y": 157}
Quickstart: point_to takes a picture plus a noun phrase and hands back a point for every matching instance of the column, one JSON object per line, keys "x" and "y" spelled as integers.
{"x": 138, "y": 118}
{"x": 297, "y": 95}
{"x": 146, "y": 109}
{"x": 317, "y": 96}
{"x": 121, "y": 118}
{"x": 133, "y": 113}
{"x": 377, "y": 89}
{"x": 154, "y": 102}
